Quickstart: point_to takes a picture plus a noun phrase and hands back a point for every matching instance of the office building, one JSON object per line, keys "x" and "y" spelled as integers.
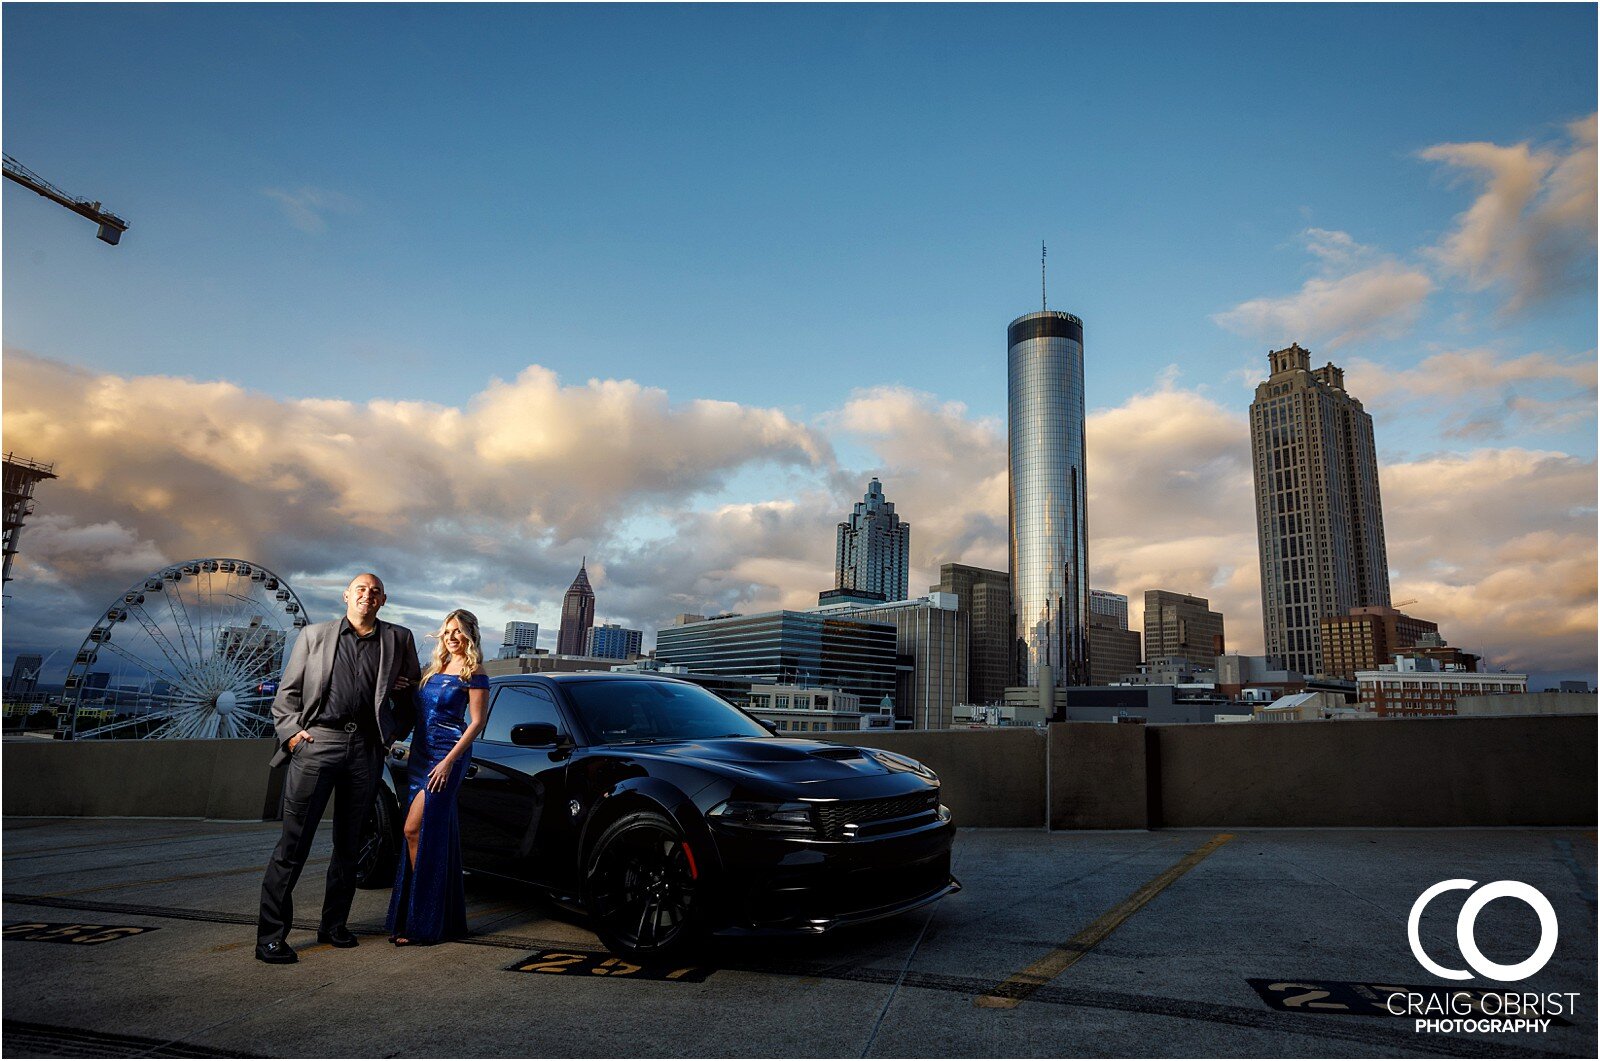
{"x": 25, "y": 673}
{"x": 1111, "y": 608}
{"x": 1367, "y": 638}
{"x": 577, "y": 614}
{"x": 1413, "y": 688}
{"x": 255, "y": 651}
{"x": 1113, "y": 652}
{"x": 1049, "y": 543}
{"x": 872, "y": 553}
{"x": 932, "y": 643}
{"x": 1177, "y": 624}
{"x": 610, "y": 641}
{"x": 789, "y": 647}
{"x": 983, "y": 597}
{"x": 1319, "y": 521}
{"x": 520, "y": 637}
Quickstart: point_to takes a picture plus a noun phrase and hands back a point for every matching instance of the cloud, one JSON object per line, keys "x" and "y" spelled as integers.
{"x": 1531, "y": 230}
{"x": 1359, "y": 293}
{"x": 305, "y": 206}
{"x": 489, "y": 505}
{"x": 493, "y": 501}
{"x": 1482, "y": 393}
{"x": 1498, "y": 547}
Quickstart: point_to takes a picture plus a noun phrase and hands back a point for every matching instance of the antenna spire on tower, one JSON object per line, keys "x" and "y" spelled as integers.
{"x": 1044, "y": 298}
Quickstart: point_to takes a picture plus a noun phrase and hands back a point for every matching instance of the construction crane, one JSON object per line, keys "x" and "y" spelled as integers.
{"x": 1403, "y": 603}
{"x": 111, "y": 226}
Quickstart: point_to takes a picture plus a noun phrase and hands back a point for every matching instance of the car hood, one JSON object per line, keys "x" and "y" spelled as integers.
{"x": 776, "y": 758}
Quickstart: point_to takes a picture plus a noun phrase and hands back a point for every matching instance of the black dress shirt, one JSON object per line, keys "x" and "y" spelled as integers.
{"x": 354, "y": 685}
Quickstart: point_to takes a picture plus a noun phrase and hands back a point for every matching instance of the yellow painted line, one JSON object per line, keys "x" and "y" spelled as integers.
{"x": 256, "y": 868}
{"x": 1010, "y": 993}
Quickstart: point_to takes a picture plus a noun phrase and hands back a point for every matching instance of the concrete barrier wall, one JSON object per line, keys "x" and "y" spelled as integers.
{"x": 1436, "y": 772}
{"x": 990, "y": 779}
{"x": 1098, "y": 776}
{"x": 226, "y": 779}
{"x": 1080, "y": 775}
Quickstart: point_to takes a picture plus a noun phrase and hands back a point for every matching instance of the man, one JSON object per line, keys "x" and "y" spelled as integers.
{"x": 345, "y": 697}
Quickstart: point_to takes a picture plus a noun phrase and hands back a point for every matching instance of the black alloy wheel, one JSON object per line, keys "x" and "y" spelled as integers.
{"x": 640, "y": 887}
{"x": 379, "y": 851}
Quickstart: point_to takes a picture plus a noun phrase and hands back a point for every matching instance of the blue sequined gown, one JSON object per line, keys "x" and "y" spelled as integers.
{"x": 430, "y": 901}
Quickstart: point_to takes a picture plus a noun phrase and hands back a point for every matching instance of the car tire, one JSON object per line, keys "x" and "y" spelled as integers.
{"x": 379, "y": 851}
{"x": 642, "y": 888}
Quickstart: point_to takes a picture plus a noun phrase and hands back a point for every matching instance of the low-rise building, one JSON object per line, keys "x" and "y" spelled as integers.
{"x": 1412, "y": 687}
{"x": 813, "y": 709}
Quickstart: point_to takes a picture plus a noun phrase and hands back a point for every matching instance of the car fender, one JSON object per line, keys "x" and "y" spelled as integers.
{"x": 652, "y": 793}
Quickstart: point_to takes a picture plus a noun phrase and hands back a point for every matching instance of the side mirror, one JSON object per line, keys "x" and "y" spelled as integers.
{"x": 768, "y": 725}
{"x": 535, "y": 735}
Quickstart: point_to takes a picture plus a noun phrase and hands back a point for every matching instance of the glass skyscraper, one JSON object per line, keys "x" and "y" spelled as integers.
{"x": 1049, "y": 527}
{"x": 873, "y": 549}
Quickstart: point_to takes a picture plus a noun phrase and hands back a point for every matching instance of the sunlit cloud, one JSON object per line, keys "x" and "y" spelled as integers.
{"x": 1358, "y": 293}
{"x": 1483, "y": 394}
{"x": 491, "y": 504}
{"x": 1531, "y": 230}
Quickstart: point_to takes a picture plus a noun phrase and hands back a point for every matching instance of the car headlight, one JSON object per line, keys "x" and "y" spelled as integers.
{"x": 771, "y": 817}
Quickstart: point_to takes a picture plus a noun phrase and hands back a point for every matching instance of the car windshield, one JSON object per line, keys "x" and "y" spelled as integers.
{"x": 617, "y": 712}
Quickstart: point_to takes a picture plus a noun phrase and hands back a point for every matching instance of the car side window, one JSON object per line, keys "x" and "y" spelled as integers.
{"x": 515, "y": 704}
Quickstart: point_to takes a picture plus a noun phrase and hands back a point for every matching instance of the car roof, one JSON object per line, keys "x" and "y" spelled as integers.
{"x": 592, "y": 676}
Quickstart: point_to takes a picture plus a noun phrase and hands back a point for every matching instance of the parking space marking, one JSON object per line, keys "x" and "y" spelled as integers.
{"x": 80, "y": 934}
{"x": 581, "y": 963}
{"x": 1010, "y": 992}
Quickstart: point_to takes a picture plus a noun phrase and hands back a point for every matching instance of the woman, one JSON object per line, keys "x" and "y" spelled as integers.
{"x": 430, "y": 902}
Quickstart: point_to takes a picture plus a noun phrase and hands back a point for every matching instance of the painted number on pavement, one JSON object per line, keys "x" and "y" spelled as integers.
{"x": 86, "y": 935}
{"x": 564, "y": 963}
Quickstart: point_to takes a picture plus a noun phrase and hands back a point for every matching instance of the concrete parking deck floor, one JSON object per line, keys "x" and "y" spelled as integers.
{"x": 1120, "y": 966}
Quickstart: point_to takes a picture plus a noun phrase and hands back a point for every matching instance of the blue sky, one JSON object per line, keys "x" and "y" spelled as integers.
{"x": 787, "y": 208}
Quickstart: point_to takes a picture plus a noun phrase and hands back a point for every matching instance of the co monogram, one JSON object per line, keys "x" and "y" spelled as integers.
{"x": 1468, "y": 921}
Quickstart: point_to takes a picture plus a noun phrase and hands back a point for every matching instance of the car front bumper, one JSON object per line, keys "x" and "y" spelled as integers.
{"x": 785, "y": 885}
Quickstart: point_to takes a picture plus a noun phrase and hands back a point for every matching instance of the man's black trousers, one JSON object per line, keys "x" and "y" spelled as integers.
{"x": 335, "y": 763}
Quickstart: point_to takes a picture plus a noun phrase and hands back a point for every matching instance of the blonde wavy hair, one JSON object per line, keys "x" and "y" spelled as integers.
{"x": 473, "y": 661}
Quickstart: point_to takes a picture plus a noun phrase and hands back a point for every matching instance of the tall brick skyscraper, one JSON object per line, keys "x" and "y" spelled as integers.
{"x": 1319, "y": 523}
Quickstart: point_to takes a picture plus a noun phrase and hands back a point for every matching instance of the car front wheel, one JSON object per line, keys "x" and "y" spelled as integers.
{"x": 379, "y": 852}
{"x": 641, "y": 887}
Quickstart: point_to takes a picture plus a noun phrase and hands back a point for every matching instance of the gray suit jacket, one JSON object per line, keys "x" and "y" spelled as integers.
{"x": 303, "y": 691}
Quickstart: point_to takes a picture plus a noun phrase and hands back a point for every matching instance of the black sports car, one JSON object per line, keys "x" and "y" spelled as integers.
{"x": 665, "y": 813}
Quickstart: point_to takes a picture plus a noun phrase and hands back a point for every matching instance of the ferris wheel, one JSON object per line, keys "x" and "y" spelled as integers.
{"x": 194, "y": 650}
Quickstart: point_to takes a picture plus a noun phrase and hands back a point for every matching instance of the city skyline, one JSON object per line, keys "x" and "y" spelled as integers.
{"x": 278, "y": 298}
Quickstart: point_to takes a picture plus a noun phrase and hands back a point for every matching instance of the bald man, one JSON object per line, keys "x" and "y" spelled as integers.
{"x": 345, "y": 697}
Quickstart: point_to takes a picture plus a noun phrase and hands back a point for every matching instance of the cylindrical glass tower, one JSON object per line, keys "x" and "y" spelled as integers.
{"x": 1049, "y": 529}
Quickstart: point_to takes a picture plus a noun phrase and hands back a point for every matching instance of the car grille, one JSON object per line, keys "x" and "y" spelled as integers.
{"x": 852, "y": 819}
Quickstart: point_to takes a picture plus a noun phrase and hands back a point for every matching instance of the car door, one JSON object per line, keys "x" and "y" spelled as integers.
{"x": 513, "y": 804}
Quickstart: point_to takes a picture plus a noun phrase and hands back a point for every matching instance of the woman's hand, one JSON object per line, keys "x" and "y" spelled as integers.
{"x": 439, "y": 776}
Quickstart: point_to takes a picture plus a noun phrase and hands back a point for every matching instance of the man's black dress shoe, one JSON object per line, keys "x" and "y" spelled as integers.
{"x": 276, "y": 953}
{"x": 338, "y": 937}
